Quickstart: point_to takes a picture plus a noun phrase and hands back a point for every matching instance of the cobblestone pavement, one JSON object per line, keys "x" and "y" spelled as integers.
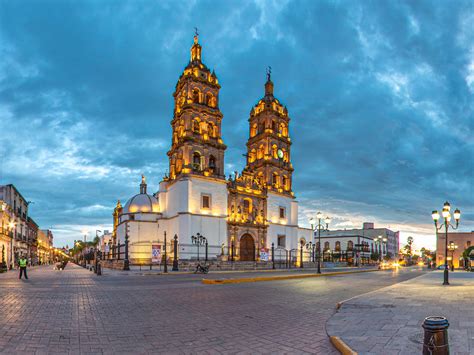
{"x": 74, "y": 311}
{"x": 388, "y": 321}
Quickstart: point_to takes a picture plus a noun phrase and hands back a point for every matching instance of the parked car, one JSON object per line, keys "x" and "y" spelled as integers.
{"x": 441, "y": 267}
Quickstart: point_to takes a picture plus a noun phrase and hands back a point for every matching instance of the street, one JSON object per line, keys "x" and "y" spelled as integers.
{"x": 75, "y": 311}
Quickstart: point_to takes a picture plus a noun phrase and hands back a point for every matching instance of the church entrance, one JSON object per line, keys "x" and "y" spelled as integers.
{"x": 247, "y": 248}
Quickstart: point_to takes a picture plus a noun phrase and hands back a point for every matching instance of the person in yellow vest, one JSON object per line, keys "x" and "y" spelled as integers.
{"x": 23, "y": 263}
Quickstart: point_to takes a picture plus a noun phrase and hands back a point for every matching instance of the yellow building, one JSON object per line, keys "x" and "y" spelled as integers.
{"x": 44, "y": 246}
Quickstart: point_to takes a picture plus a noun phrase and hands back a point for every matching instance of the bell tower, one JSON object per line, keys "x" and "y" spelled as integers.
{"x": 268, "y": 146}
{"x": 197, "y": 146}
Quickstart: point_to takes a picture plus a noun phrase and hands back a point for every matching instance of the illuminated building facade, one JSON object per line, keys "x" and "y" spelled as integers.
{"x": 241, "y": 214}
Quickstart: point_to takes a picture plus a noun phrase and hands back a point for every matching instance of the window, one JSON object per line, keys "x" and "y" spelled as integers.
{"x": 253, "y": 130}
{"x": 326, "y": 246}
{"x": 282, "y": 212}
{"x": 275, "y": 180}
{"x": 196, "y": 126}
{"x": 274, "y": 126}
{"x": 338, "y": 246}
{"x": 247, "y": 206}
{"x": 196, "y": 95}
{"x": 281, "y": 241}
{"x": 285, "y": 182}
{"x": 197, "y": 161}
{"x": 205, "y": 201}
{"x": 212, "y": 162}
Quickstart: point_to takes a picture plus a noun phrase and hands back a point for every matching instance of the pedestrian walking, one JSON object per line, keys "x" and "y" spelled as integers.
{"x": 23, "y": 263}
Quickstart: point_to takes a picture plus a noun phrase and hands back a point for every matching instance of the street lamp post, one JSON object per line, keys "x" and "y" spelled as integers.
{"x": 199, "y": 240}
{"x": 319, "y": 227}
{"x": 11, "y": 226}
{"x": 301, "y": 254}
{"x": 446, "y": 214}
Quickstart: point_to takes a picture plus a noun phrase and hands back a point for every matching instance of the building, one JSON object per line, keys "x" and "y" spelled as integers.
{"x": 15, "y": 218}
{"x": 240, "y": 216}
{"x": 461, "y": 241}
{"x": 360, "y": 243}
{"x": 6, "y": 234}
{"x": 44, "y": 246}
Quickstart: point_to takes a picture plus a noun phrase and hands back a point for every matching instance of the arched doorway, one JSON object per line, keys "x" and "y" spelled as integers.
{"x": 247, "y": 248}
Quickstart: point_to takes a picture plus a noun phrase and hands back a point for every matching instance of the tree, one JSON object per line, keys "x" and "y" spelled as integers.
{"x": 407, "y": 250}
{"x": 466, "y": 255}
{"x": 374, "y": 256}
{"x": 388, "y": 256}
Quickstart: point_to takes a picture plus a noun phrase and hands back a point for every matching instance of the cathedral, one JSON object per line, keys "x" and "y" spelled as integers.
{"x": 241, "y": 215}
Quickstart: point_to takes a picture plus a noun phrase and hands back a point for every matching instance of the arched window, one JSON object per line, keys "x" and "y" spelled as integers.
{"x": 252, "y": 155}
{"x": 260, "y": 178}
{"x": 350, "y": 245}
{"x": 196, "y": 96}
{"x": 196, "y": 161}
{"x": 196, "y": 126}
{"x": 275, "y": 180}
{"x": 212, "y": 162}
{"x": 210, "y": 128}
{"x": 285, "y": 155}
{"x": 253, "y": 130}
{"x": 261, "y": 127}
{"x": 247, "y": 206}
{"x": 261, "y": 152}
{"x": 283, "y": 130}
{"x": 338, "y": 246}
{"x": 326, "y": 246}
{"x": 284, "y": 182}
{"x": 275, "y": 151}
{"x": 209, "y": 99}
{"x": 274, "y": 126}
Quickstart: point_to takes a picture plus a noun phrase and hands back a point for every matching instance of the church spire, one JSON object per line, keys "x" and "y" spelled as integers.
{"x": 269, "y": 83}
{"x": 196, "y": 48}
{"x": 143, "y": 185}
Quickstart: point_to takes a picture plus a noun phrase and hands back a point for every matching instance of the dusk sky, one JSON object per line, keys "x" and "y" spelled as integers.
{"x": 380, "y": 93}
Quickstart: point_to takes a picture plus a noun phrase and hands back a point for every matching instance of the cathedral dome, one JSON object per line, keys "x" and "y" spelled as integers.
{"x": 142, "y": 202}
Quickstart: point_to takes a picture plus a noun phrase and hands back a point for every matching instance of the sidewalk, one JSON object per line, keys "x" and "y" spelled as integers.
{"x": 388, "y": 321}
{"x": 214, "y": 273}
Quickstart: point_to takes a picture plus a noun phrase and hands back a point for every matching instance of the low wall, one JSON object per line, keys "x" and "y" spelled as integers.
{"x": 113, "y": 264}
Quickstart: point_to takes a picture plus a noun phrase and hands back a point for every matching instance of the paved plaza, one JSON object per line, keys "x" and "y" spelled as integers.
{"x": 388, "y": 321}
{"x": 74, "y": 311}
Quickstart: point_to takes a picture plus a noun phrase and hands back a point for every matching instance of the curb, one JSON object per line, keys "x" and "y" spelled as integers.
{"x": 342, "y": 347}
{"x": 278, "y": 278}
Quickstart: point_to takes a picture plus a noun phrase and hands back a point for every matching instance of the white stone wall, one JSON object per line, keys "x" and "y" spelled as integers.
{"x": 274, "y": 202}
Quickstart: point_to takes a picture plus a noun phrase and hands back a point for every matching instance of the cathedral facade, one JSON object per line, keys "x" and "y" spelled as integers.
{"x": 241, "y": 215}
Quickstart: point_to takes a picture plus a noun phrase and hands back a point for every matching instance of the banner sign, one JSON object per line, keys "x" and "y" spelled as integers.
{"x": 263, "y": 254}
{"x": 156, "y": 253}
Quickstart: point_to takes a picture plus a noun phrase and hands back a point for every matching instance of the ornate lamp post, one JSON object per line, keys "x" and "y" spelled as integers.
{"x": 199, "y": 240}
{"x": 379, "y": 241}
{"x": 319, "y": 227}
{"x": 446, "y": 214}
{"x": 11, "y": 226}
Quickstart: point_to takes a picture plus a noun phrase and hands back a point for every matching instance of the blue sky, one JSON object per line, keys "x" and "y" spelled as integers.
{"x": 380, "y": 94}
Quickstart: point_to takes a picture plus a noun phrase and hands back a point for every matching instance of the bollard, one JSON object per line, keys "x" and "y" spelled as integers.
{"x": 435, "y": 341}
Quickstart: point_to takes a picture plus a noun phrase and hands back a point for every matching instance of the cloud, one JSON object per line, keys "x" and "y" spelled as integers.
{"x": 380, "y": 96}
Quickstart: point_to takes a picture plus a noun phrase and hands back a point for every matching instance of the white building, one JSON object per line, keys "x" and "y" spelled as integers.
{"x": 240, "y": 216}
{"x": 362, "y": 242}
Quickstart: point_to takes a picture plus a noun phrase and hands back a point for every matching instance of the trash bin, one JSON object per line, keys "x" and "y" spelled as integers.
{"x": 435, "y": 340}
